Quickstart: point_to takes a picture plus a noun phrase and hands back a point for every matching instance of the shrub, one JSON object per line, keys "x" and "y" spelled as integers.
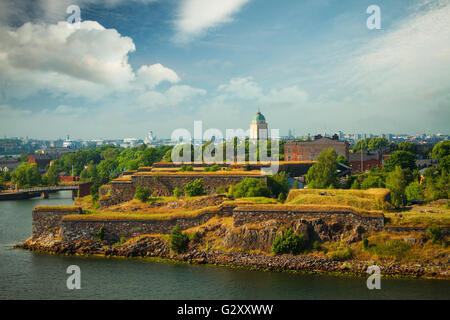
{"x": 120, "y": 242}
{"x": 341, "y": 255}
{"x": 277, "y": 184}
{"x": 414, "y": 191}
{"x": 194, "y": 237}
{"x": 288, "y": 242}
{"x": 100, "y": 234}
{"x": 316, "y": 246}
{"x": 434, "y": 234}
{"x": 177, "y": 193}
{"x": 250, "y": 187}
{"x": 355, "y": 184}
{"x": 394, "y": 248}
{"x": 186, "y": 168}
{"x": 194, "y": 188}
{"x": 282, "y": 197}
{"x": 365, "y": 243}
{"x": 213, "y": 168}
{"x": 142, "y": 193}
{"x": 179, "y": 241}
{"x": 222, "y": 189}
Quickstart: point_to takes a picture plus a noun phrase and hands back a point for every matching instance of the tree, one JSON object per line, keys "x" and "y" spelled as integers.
{"x": 396, "y": 183}
{"x": 437, "y": 184}
{"x": 194, "y": 188}
{"x": 342, "y": 159}
{"x": 441, "y": 150}
{"x": 110, "y": 153}
{"x": 26, "y": 175}
{"x": 372, "y": 181}
{"x": 278, "y": 184}
{"x": 408, "y": 146}
{"x": 23, "y": 157}
{"x": 53, "y": 175}
{"x": 370, "y": 144}
{"x": 444, "y": 164}
{"x": 415, "y": 191}
{"x": 404, "y": 159}
{"x": 323, "y": 174}
{"x": 179, "y": 242}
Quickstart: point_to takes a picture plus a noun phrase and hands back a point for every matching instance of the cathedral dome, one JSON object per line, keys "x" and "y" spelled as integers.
{"x": 259, "y": 116}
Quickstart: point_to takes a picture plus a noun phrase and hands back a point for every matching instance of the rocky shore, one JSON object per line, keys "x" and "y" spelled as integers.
{"x": 154, "y": 247}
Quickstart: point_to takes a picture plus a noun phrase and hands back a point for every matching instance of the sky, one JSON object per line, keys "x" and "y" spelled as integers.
{"x": 138, "y": 65}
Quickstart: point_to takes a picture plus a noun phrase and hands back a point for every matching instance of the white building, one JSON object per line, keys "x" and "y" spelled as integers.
{"x": 258, "y": 127}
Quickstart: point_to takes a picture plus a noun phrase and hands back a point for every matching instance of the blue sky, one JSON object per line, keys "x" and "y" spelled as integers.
{"x": 141, "y": 65}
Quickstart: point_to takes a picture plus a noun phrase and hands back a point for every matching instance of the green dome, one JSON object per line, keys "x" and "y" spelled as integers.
{"x": 259, "y": 116}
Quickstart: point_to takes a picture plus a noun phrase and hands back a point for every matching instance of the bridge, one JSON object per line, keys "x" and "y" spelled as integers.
{"x": 44, "y": 191}
{"x": 78, "y": 190}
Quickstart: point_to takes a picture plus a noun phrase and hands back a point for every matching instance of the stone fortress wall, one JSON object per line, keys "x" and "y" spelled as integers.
{"x": 51, "y": 221}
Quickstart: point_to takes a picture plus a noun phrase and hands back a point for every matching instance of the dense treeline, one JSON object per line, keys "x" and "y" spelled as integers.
{"x": 236, "y": 145}
{"x": 399, "y": 174}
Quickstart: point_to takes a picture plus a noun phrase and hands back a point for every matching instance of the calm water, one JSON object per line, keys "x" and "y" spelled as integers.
{"x": 27, "y": 275}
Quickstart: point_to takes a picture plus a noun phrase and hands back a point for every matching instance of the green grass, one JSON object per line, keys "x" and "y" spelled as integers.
{"x": 92, "y": 215}
{"x": 391, "y": 249}
{"x": 371, "y": 199}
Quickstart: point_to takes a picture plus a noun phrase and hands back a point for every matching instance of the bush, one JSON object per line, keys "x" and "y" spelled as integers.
{"x": 142, "y": 193}
{"x": 100, "y": 234}
{"x": 194, "y": 188}
{"x": 177, "y": 193}
{"x": 288, "y": 242}
{"x": 179, "y": 241}
{"x": 250, "y": 187}
{"x": 316, "y": 246}
{"x": 282, "y": 197}
{"x": 186, "y": 168}
{"x": 194, "y": 237}
{"x": 213, "y": 168}
{"x": 434, "y": 234}
{"x": 222, "y": 189}
{"x": 365, "y": 243}
{"x": 277, "y": 184}
{"x": 393, "y": 248}
{"x": 415, "y": 191}
{"x": 341, "y": 255}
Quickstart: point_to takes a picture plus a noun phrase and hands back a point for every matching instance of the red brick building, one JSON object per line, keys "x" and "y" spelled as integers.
{"x": 41, "y": 160}
{"x": 368, "y": 161}
{"x": 310, "y": 150}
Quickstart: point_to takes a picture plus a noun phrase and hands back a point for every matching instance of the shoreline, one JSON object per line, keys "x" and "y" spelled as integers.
{"x": 157, "y": 250}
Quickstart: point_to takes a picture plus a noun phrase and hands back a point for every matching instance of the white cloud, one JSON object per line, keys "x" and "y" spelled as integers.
{"x": 89, "y": 62}
{"x": 247, "y": 89}
{"x": 289, "y": 96}
{"x": 172, "y": 97}
{"x": 242, "y": 88}
{"x": 68, "y": 110}
{"x": 151, "y": 76}
{"x": 404, "y": 69}
{"x": 196, "y": 16}
{"x": 85, "y": 61}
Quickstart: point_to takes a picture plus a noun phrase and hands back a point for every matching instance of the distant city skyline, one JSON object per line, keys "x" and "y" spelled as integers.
{"x": 141, "y": 65}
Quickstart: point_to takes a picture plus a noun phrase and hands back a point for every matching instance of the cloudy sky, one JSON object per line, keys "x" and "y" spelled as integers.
{"x": 309, "y": 65}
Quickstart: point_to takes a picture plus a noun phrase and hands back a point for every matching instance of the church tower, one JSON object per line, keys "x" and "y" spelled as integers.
{"x": 258, "y": 127}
